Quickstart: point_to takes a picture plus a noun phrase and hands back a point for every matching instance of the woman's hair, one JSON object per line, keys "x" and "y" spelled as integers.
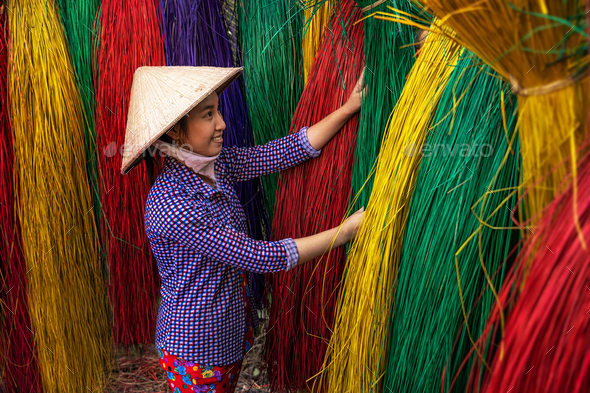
{"x": 182, "y": 128}
{"x": 149, "y": 159}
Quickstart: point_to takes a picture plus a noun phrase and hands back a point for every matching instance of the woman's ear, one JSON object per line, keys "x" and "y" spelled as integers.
{"x": 174, "y": 133}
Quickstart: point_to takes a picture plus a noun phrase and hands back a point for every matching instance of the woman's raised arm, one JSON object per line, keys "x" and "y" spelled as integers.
{"x": 283, "y": 153}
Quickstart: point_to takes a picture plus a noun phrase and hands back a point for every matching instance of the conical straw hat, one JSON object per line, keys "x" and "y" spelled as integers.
{"x": 160, "y": 96}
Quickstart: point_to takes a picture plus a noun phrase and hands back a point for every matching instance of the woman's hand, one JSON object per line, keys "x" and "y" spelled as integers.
{"x": 313, "y": 246}
{"x": 320, "y": 133}
{"x": 353, "y": 223}
{"x": 358, "y": 93}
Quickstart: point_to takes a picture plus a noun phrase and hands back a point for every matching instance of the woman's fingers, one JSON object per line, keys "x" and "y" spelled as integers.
{"x": 361, "y": 88}
{"x": 360, "y": 80}
{"x": 356, "y": 221}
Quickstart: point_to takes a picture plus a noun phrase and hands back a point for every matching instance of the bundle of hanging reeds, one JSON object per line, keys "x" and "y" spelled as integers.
{"x": 78, "y": 20}
{"x": 229, "y": 14}
{"x": 129, "y": 37}
{"x": 389, "y": 58}
{"x": 60, "y": 243}
{"x": 470, "y": 161}
{"x": 194, "y": 35}
{"x": 543, "y": 345}
{"x": 361, "y": 325}
{"x": 313, "y": 197}
{"x": 19, "y": 360}
{"x": 317, "y": 15}
{"x": 270, "y": 38}
{"x": 538, "y": 46}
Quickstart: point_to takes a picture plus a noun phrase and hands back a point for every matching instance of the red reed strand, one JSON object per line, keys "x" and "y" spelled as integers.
{"x": 130, "y": 37}
{"x": 19, "y": 360}
{"x": 311, "y": 198}
{"x": 547, "y": 333}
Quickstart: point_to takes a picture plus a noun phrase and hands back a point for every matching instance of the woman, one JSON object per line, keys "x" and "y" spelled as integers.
{"x": 197, "y": 227}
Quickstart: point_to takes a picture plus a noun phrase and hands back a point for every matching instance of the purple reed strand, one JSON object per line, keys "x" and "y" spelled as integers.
{"x": 215, "y": 49}
{"x": 194, "y": 35}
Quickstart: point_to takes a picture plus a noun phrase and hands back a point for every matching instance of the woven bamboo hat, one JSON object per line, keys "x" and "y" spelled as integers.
{"x": 160, "y": 96}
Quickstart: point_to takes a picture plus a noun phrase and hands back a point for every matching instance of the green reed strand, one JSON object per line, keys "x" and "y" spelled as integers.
{"x": 427, "y": 318}
{"x": 77, "y": 18}
{"x": 387, "y": 64}
{"x": 273, "y": 71}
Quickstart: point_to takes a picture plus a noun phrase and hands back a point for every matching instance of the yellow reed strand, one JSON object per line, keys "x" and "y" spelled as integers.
{"x": 64, "y": 281}
{"x": 523, "y": 40}
{"x": 355, "y": 359}
{"x": 317, "y": 15}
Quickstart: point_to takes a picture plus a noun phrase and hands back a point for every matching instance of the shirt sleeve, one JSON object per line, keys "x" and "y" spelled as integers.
{"x": 249, "y": 162}
{"x": 194, "y": 227}
{"x": 292, "y": 252}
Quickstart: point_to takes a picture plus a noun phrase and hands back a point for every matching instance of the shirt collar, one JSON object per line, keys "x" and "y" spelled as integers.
{"x": 188, "y": 179}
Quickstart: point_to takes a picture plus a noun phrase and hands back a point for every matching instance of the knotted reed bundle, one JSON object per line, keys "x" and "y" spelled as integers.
{"x": 359, "y": 340}
{"x": 470, "y": 161}
{"x": 389, "y": 58}
{"x": 194, "y": 35}
{"x": 19, "y": 360}
{"x": 317, "y": 15}
{"x": 544, "y": 347}
{"x": 313, "y": 197}
{"x": 271, "y": 55}
{"x": 539, "y": 47}
{"x": 60, "y": 243}
{"x": 129, "y": 38}
{"x": 78, "y": 20}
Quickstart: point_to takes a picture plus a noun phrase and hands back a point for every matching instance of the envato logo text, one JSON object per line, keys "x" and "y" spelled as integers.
{"x": 127, "y": 150}
{"x": 449, "y": 150}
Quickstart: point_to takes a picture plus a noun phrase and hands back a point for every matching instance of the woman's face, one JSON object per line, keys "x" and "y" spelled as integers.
{"x": 204, "y": 128}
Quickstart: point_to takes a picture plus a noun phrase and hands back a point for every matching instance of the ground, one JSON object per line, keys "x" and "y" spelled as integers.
{"x": 138, "y": 371}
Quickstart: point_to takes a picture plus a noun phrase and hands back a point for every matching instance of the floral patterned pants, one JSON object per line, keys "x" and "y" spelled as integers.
{"x": 185, "y": 376}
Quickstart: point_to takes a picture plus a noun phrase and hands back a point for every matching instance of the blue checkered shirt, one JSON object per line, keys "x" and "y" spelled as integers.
{"x": 198, "y": 235}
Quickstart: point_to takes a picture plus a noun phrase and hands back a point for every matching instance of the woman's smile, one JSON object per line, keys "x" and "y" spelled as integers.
{"x": 218, "y": 139}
